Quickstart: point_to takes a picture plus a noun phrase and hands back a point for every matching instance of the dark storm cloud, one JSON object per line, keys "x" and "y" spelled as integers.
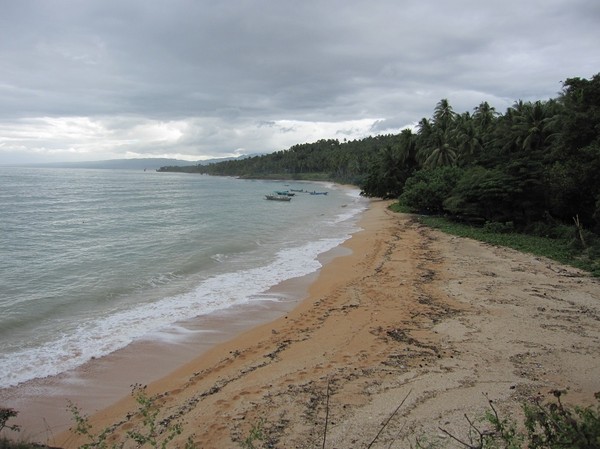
{"x": 93, "y": 78}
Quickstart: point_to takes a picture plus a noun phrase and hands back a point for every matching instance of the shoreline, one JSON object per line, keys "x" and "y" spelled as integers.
{"x": 411, "y": 317}
{"x": 102, "y": 382}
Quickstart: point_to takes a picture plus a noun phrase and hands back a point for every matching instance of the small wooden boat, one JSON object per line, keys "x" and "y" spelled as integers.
{"x": 318, "y": 193}
{"x": 276, "y": 197}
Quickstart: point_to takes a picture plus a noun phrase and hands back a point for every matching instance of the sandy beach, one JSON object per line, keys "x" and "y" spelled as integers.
{"x": 413, "y": 325}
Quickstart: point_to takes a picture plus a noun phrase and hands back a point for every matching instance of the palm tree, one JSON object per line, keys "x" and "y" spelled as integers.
{"x": 385, "y": 178}
{"x": 534, "y": 126}
{"x": 425, "y": 128}
{"x": 408, "y": 147}
{"x": 442, "y": 153}
{"x": 436, "y": 138}
{"x": 484, "y": 115}
{"x": 468, "y": 138}
{"x": 443, "y": 115}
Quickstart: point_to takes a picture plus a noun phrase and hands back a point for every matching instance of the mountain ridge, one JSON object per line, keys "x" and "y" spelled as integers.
{"x": 127, "y": 164}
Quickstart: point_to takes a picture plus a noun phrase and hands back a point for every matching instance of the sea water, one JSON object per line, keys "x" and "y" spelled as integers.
{"x": 93, "y": 260}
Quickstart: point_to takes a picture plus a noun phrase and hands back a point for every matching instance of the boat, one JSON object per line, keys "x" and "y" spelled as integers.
{"x": 275, "y": 197}
{"x": 284, "y": 193}
{"x": 318, "y": 193}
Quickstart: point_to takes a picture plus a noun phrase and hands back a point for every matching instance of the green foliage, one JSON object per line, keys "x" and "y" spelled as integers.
{"x": 556, "y": 426}
{"x": 559, "y": 249}
{"x": 387, "y": 175}
{"x": 546, "y": 426}
{"x": 84, "y": 428}
{"x": 325, "y": 159}
{"x": 153, "y": 433}
{"x": 499, "y": 228}
{"x": 150, "y": 432}
{"x": 581, "y": 115}
{"x": 6, "y": 443}
{"x": 256, "y": 435}
{"x": 399, "y": 208}
{"x": 481, "y": 193}
{"x": 504, "y": 434}
{"x": 427, "y": 190}
{"x": 5, "y": 415}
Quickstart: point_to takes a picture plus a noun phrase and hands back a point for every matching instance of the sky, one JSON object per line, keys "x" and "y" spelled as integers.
{"x": 86, "y": 80}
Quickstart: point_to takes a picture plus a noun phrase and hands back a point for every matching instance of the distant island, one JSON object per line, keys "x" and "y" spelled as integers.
{"x": 127, "y": 164}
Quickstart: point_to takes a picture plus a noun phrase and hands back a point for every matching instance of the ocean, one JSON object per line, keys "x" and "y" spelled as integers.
{"x": 94, "y": 260}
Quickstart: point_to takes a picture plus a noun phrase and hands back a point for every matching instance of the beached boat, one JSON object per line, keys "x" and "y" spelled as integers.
{"x": 275, "y": 197}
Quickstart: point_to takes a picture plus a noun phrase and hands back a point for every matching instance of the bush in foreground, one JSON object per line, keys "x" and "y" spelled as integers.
{"x": 552, "y": 425}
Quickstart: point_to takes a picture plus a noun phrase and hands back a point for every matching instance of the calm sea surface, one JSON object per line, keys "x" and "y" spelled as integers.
{"x": 92, "y": 260}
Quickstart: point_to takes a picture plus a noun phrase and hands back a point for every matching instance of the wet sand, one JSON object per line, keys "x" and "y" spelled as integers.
{"x": 412, "y": 320}
{"x": 43, "y": 403}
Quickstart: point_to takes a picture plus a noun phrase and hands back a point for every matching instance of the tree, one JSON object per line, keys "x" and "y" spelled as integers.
{"x": 438, "y": 148}
{"x": 486, "y": 194}
{"x": 484, "y": 116}
{"x": 468, "y": 138}
{"x": 408, "y": 147}
{"x": 443, "y": 115}
{"x": 427, "y": 189}
{"x": 535, "y": 125}
{"x": 581, "y": 113}
{"x": 386, "y": 175}
{"x": 442, "y": 152}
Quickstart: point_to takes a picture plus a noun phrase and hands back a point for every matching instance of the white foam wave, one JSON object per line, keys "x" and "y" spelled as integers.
{"x": 219, "y": 257}
{"x": 100, "y": 336}
{"x": 251, "y": 272}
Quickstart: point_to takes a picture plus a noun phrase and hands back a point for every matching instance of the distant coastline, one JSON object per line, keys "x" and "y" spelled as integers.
{"x": 115, "y": 164}
{"x": 148, "y": 163}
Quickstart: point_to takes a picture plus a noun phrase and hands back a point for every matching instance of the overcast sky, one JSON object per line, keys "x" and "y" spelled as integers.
{"x": 197, "y": 79}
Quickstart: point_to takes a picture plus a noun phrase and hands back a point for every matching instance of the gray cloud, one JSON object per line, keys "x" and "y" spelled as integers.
{"x": 114, "y": 78}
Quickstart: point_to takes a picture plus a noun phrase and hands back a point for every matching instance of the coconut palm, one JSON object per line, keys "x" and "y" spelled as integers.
{"x": 443, "y": 115}
{"x": 442, "y": 153}
{"x": 534, "y": 126}
{"x": 408, "y": 147}
{"x": 484, "y": 115}
{"x": 469, "y": 141}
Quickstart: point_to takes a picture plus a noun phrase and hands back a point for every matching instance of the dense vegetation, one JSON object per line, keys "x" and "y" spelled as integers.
{"x": 325, "y": 159}
{"x": 534, "y": 169}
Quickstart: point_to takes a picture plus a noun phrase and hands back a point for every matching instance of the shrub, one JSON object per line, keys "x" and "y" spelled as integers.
{"x": 500, "y": 228}
{"x": 427, "y": 190}
{"x": 552, "y": 425}
{"x": 155, "y": 434}
{"x": 5, "y": 415}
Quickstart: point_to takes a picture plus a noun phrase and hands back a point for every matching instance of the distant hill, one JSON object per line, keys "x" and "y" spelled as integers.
{"x": 131, "y": 164}
{"x": 119, "y": 164}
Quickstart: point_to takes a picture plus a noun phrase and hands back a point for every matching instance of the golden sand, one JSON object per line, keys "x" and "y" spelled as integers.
{"x": 412, "y": 320}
